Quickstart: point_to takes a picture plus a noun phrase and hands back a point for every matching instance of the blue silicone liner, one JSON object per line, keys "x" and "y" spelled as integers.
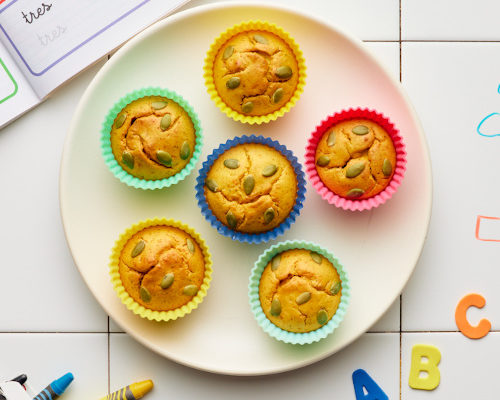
{"x": 250, "y": 237}
{"x": 268, "y": 326}
{"x": 109, "y": 157}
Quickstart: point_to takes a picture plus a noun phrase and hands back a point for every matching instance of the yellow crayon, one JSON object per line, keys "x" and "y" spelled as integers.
{"x": 134, "y": 391}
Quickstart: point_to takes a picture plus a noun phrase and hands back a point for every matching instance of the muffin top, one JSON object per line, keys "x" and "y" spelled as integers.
{"x": 299, "y": 290}
{"x": 356, "y": 159}
{"x": 153, "y": 138}
{"x": 255, "y": 72}
{"x": 162, "y": 267}
{"x": 251, "y": 188}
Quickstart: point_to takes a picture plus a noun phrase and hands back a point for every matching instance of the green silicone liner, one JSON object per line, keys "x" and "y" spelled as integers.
{"x": 268, "y": 326}
{"x": 109, "y": 157}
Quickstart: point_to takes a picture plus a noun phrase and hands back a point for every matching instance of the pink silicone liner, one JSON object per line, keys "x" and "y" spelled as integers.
{"x": 327, "y": 194}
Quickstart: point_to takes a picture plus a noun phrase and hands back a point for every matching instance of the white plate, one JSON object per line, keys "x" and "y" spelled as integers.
{"x": 379, "y": 248}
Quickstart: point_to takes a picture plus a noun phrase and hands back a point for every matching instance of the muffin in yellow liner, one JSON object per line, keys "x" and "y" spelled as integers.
{"x": 254, "y": 72}
{"x": 161, "y": 269}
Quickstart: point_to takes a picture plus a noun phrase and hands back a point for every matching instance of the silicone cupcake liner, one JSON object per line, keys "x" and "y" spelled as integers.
{"x": 223, "y": 38}
{"x": 139, "y": 309}
{"x": 327, "y": 194}
{"x": 249, "y": 237}
{"x": 266, "y": 324}
{"x": 109, "y": 157}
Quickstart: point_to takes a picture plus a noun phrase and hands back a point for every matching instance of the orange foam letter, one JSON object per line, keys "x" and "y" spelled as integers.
{"x": 472, "y": 332}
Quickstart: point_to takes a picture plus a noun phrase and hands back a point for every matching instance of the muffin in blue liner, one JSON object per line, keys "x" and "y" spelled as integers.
{"x": 292, "y": 163}
{"x": 254, "y": 294}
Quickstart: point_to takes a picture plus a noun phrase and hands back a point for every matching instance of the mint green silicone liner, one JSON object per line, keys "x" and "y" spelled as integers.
{"x": 268, "y": 326}
{"x": 109, "y": 157}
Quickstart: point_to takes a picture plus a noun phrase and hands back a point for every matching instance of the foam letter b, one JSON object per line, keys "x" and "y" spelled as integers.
{"x": 418, "y": 365}
{"x": 361, "y": 380}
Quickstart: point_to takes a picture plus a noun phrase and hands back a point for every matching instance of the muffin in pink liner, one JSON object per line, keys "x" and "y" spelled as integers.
{"x": 351, "y": 162}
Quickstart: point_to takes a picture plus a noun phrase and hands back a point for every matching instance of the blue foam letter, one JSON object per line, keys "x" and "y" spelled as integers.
{"x": 360, "y": 380}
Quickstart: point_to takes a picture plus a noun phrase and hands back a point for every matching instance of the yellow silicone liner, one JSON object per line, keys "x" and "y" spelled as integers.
{"x": 209, "y": 77}
{"x": 139, "y": 309}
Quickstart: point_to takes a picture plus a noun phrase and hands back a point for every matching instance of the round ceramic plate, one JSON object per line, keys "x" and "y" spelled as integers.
{"x": 379, "y": 248}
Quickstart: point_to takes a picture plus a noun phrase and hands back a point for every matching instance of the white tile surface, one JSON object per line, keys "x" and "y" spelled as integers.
{"x": 450, "y": 19}
{"x": 356, "y": 16}
{"x": 41, "y": 287}
{"x": 388, "y": 55}
{"x": 378, "y": 354}
{"x": 468, "y": 368}
{"x": 389, "y": 321}
{"x": 46, "y": 357}
{"x": 453, "y": 86}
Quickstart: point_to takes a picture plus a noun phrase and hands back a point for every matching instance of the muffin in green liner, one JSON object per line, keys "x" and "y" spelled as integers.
{"x": 300, "y": 306}
{"x": 151, "y": 138}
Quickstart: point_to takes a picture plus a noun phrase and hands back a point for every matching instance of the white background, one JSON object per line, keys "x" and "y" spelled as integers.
{"x": 449, "y": 64}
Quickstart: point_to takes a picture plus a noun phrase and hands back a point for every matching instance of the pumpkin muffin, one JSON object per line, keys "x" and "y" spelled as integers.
{"x": 251, "y": 188}
{"x": 356, "y": 159}
{"x": 255, "y": 72}
{"x": 300, "y": 290}
{"x": 161, "y": 267}
{"x": 153, "y": 138}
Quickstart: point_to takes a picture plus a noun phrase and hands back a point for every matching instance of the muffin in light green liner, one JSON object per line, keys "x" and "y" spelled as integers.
{"x": 111, "y": 122}
{"x": 262, "y": 319}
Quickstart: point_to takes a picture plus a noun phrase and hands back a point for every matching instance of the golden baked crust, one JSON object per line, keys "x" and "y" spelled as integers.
{"x": 145, "y": 273}
{"x": 255, "y": 72}
{"x": 297, "y": 293}
{"x": 361, "y": 161}
{"x": 144, "y": 140}
{"x": 245, "y": 207}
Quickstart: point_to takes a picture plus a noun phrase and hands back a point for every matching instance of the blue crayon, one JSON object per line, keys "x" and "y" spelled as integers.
{"x": 56, "y": 388}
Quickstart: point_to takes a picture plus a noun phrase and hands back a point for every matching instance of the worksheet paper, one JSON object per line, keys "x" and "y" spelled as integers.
{"x": 45, "y": 43}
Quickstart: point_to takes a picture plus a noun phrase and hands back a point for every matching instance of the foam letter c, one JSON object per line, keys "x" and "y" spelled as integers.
{"x": 472, "y": 332}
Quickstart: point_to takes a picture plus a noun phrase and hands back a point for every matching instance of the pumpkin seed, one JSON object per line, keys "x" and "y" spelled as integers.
{"x": 128, "y": 159}
{"x": 303, "y": 298}
{"x": 165, "y": 122}
{"x": 228, "y": 52}
{"x": 387, "y": 167}
{"x": 331, "y": 139}
{"x": 269, "y": 170}
{"x": 231, "y": 219}
{"x": 283, "y": 72}
{"x": 158, "y": 105}
{"x": 323, "y": 161}
{"x": 322, "y": 317}
{"x": 248, "y": 184}
{"x": 167, "y": 281}
{"x": 212, "y": 185}
{"x": 335, "y": 288}
{"x": 164, "y": 157}
{"x": 145, "y": 295}
{"x": 278, "y": 95}
{"x": 190, "y": 290}
{"x": 360, "y": 130}
{"x": 275, "y": 263}
{"x": 316, "y": 257}
{"x": 355, "y": 169}
{"x": 275, "y": 308}
{"x": 185, "y": 151}
{"x": 355, "y": 193}
{"x": 120, "y": 120}
{"x": 260, "y": 39}
{"x": 247, "y": 107}
{"x": 269, "y": 215}
{"x": 190, "y": 245}
{"x": 233, "y": 83}
{"x": 231, "y": 163}
{"x": 138, "y": 248}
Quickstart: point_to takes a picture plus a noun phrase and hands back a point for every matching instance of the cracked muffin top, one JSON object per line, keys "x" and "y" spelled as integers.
{"x": 153, "y": 138}
{"x": 251, "y": 188}
{"x": 162, "y": 267}
{"x": 255, "y": 72}
{"x": 356, "y": 159}
{"x": 300, "y": 290}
